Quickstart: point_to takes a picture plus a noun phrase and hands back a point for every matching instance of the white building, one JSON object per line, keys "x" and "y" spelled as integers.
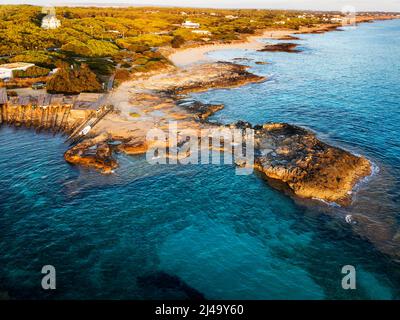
{"x": 50, "y": 22}
{"x": 6, "y": 70}
{"x": 190, "y": 25}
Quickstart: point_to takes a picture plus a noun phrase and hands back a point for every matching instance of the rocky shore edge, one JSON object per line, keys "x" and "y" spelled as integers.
{"x": 305, "y": 166}
{"x": 289, "y": 157}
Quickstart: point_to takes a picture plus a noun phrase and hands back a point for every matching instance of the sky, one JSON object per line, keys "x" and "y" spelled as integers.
{"x": 337, "y": 5}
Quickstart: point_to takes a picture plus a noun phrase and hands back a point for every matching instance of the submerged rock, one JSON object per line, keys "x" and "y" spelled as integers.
{"x": 203, "y": 110}
{"x": 289, "y": 37}
{"x": 168, "y": 286}
{"x": 281, "y": 47}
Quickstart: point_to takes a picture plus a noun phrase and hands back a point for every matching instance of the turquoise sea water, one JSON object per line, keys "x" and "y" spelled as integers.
{"x": 157, "y": 231}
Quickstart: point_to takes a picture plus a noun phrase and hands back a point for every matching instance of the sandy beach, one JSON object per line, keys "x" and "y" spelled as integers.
{"x": 187, "y": 56}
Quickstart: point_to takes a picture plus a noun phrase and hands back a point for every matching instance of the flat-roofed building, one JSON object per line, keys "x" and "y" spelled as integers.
{"x": 190, "y": 25}
{"x": 50, "y": 22}
{"x": 6, "y": 70}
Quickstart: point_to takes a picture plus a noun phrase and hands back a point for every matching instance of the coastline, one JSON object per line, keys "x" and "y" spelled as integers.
{"x": 154, "y": 101}
{"x": 188, "y": 55}
{"x": 162, "y": 91}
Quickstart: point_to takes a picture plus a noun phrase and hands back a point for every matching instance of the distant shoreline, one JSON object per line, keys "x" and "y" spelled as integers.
{"x": 155, "y": 5}
{"x": 198, "y": 53}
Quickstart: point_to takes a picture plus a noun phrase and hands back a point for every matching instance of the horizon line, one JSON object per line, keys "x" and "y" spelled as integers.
{"x": 138, "y": 5}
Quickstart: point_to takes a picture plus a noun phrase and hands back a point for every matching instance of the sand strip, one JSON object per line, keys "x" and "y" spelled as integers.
{"x": 187, "y": 56}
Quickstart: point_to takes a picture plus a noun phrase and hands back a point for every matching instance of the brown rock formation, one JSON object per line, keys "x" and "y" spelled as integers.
{"x": 134, "y": 146}
{"x": 95, "y": 153}
{"x": 289, "y": 154}
{"x": 202, "y": 110}
{"x": 281, "y": 47}
{"x": 288, "y": 37}
{"x": 215, "y": 75}
{"x": 309, "y": 167}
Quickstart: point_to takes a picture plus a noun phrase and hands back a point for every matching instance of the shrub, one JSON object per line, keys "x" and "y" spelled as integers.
{"x": 101, "y": 66}
{"x": 32, "y": 72}
{"x": 43, "y": 59}
{"x": 177, "y": 41}
{"x": 151, "y": 40}
{"x": 101, "y": 48}
{"x": 125, "y": 65}
{"x": 122, "y": 75}
{"x": 77, "y": 47}
{"x": 71, "y": 81}
{"x": 141, "y": 61}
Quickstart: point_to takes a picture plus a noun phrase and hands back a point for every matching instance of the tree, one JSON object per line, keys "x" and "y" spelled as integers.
{"x": 122, "y": 75}
{"x": 77, "y": 47}
{"x": 32, "y": 72}
{"x": 177, "y": 41}
{"x": 72, "y": 81}
{"x": 87, "y": 80}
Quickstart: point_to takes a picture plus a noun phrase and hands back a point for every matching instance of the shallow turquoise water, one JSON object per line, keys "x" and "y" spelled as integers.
{"x": 226, "y": 236}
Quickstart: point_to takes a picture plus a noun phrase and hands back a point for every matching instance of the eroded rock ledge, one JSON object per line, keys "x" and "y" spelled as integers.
{"x": 281, "y": 47}
{"x": 306, "y": 166}
{"x": 309, "y": 167}
{"x": 95, "y": 153}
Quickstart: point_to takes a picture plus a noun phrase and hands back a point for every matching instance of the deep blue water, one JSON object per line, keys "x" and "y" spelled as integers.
{"x": 226, "y": 236}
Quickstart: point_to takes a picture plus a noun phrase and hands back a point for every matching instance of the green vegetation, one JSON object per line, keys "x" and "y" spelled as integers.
{"x": 104, "y": 38}
{"x": 93, "y": 48}
{"x": 32, "y": 72}
{"x": 177, "y": 41}
{"x": 40, "y": 58}
{"x": 73, "y": 80}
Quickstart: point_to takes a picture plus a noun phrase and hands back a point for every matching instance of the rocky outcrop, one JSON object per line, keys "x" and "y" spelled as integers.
{"x": 281, "y": 47}
{"x": 209, "y": 76}
{"x": 288, "y": 37}
{"x": 309, "y": 167}
{"x": 95, "y": 153}
{"x": 304, "y": 165}
{"x": 290, "y": 155}
{"x": 326, "y": 28}
{"x": 202, "y": 110}
{"x": 134, "y": 146}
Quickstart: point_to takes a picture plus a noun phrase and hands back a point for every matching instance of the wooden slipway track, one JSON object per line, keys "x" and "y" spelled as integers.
{"x": 56, "y": 119}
